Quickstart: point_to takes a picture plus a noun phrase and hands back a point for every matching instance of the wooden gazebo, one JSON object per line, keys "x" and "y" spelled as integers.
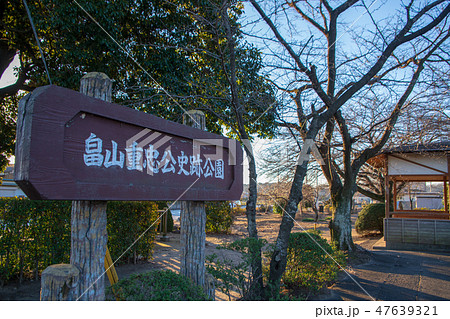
{"x": 416, "y": 228}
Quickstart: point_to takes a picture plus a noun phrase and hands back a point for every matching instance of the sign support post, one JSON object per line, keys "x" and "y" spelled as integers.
{"x": 59, "y": 283}
{"x": 193, "y": 224}
{"x": 88, "y": 221}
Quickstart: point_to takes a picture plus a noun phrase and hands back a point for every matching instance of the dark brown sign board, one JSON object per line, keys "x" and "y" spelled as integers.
{"x": 73, "y": 147}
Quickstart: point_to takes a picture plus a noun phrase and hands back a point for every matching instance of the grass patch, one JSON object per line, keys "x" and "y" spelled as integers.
{"x": 157, "y": 285}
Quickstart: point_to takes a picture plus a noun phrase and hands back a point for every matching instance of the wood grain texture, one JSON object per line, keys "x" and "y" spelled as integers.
{"x": 417, "y": 231}
{"x": 88, "y": 247}
{"x": 89, "y": 236}
{"x": 193, "y": 237}
{"x": 193, "y": 224}
{"x": 59, "y": 283}
{"x": 97, "y": 85}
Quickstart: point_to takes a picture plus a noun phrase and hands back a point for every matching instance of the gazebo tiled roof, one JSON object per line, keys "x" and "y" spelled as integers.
{"x": 419, "y": 148}
{"x": 378, "y": 160}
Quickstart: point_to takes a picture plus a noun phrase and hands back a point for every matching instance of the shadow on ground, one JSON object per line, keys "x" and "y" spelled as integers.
{"x": 388, "y": 275}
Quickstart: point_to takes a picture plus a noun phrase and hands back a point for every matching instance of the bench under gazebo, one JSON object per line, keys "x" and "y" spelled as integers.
{"x": 412, "y": 228}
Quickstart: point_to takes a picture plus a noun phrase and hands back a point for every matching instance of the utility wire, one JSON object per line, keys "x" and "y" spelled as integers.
{"x": 37, "y": 41}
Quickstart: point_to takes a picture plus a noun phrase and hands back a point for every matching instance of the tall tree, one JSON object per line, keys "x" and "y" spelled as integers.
{"x": 324, "y": 85}
{"x": 240, "y": 98}
{"x": 161, "y": 54}
{"x": 149, "y": 32}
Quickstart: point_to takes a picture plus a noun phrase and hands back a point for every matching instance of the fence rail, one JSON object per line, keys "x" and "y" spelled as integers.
{"x": 417, "y": 231}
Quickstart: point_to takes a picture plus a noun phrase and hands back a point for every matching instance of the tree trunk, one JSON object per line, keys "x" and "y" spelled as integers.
{"x": 88, "y": 221}
{"x": 279, "y": 257}
{"x": 341, "y": 223}
{"x": 316, "y": 213}
{"x": 256, "y": 288}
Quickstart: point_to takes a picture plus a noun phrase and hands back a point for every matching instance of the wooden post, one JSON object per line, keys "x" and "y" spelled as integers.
{"x": 193, "y": 237}
{"x": 59, "y": 283}
{"x": 97, "y": 85}
{"x": 193, "y": 223}
{"x": 386, "y": 186}
{"x": 163, "y": 226}
{"x": 395, "y": 195}
{"x": 89, "y": 235}
{"x": 110, "y": 270}
{"x": 446, "y": 187}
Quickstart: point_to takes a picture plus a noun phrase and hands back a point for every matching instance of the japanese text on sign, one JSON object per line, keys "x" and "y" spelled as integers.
{"x": 150, "y": 160}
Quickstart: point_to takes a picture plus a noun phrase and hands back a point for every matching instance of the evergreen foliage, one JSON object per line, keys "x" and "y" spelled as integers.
{"x": 219, "y": 217}
{"x": 157, "y": 285}
{"x": 370, "y": 218}
{"x": 311, "y": 262}
{"x": 36, "y": 234}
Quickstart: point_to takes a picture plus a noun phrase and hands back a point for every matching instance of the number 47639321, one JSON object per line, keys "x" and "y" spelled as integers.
{"x": 407, "y": 310}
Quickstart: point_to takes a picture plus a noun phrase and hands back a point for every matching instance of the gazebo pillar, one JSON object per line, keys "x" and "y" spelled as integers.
{"x": 447, "y": 186}
{"x": 386, "y": 187}
{"x": 446, "y": 195}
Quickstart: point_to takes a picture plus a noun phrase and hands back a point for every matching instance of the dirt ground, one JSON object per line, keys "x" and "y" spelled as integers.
{"x": 167, "y": 254}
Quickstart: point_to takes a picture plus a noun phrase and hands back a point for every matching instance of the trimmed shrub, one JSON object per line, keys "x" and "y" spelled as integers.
{"x": 370, "y": 218}
{"x": 157, "y": 285}
{"x": 36, "y": 234}
{"x": 169, "y": 222}
{"x": 310, "y": 263}
{"x": 239, "y": 210}
{"x": 279, "y": 206}
{"x": 219, "y": 217}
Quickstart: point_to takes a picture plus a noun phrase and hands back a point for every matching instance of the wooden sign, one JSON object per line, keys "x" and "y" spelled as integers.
{"x": 73, "y": 147}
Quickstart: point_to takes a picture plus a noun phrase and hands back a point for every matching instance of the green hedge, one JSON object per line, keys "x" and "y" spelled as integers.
{"x": 33, "y": 235}
{"x": 219, "y": 217}
{"x": 36, "y": 234}
{"x": 370, "y": 218}
{"x": 126, "y": 222}
{"x": 280, "y": 206}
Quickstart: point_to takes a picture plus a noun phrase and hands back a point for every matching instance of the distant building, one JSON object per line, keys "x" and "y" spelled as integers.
{"x": 360, "y": 200}
{"x": 8, "y": 188}
{"x": 430, "y": 201}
